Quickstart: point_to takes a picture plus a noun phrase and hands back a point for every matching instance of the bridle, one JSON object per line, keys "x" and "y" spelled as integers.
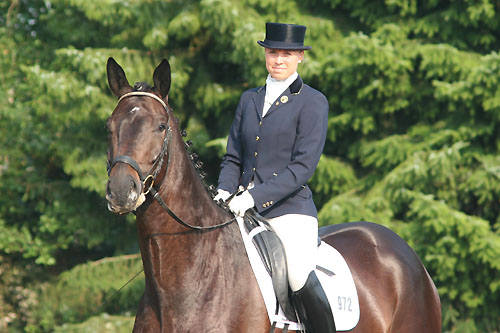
{"x": 148, "y": 181}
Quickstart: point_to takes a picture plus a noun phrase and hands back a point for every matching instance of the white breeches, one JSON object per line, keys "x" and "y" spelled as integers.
{"x": 299, "y": 235}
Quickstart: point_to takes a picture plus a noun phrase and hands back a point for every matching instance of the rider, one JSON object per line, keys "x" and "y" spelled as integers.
{"x": 273, "y": 148}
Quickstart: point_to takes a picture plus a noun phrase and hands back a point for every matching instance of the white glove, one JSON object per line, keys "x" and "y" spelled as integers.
{"x": 241, "y": 203}
{"x": 222, "y": 194}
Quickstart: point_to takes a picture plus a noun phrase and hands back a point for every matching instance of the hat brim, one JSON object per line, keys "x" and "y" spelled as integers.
{"x": 283, "y": 46}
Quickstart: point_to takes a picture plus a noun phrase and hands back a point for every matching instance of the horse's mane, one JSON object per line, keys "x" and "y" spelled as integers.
{"x": 198, "y": 166}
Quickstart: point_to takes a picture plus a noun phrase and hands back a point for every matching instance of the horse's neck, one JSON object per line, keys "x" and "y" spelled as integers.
{"x": 177, "y": 257}
{"x": 195, "y": 280}
{"x": 185, "y": 193}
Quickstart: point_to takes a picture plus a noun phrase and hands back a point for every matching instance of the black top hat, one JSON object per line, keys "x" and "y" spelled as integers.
{"x": 284, "y": 36}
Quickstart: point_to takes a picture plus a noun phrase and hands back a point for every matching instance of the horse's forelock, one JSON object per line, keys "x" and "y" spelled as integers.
{"x": 142, "y": 86}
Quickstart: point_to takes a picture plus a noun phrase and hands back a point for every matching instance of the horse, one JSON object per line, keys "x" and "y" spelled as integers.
{"x": 197, "y": 275}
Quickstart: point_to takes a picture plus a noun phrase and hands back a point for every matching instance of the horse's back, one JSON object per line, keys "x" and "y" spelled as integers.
{"x": 396, "y": 293}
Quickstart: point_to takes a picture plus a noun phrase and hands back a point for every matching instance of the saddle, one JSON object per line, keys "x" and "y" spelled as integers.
{"x": 272, "y": 253}
{"x": 331, "y": 269}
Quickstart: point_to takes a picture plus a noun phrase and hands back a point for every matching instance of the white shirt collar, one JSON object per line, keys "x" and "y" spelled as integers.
{"x": 274, "y": 87}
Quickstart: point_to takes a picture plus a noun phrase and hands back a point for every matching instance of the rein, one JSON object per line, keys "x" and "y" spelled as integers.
{"x": 180, "y": 221}
{"x": 157, "y": 166}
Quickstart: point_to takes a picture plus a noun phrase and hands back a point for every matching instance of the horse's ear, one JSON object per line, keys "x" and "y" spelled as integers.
{"x": 161, "y": 78}
{"x": 117, "y": 79}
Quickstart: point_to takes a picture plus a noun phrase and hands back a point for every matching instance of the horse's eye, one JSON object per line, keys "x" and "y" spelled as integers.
{"x": 162, "y": 127}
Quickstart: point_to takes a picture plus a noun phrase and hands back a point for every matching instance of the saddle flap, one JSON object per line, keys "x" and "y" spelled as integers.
{"x": 272, "y": 253}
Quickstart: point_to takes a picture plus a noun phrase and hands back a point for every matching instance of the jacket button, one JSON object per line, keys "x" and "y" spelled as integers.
{"x": 257, "y": 138}
{"x": 271, "y": 203}
{"x": 253, "y": 169}
{"x": 255, "y": 154}
{"x": 260, "y": 123}
{"x": 277, "y": 103}
{"x": 264, "y": 206}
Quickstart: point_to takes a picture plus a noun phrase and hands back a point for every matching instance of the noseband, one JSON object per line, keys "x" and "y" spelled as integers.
{"x": 147, "y": 181}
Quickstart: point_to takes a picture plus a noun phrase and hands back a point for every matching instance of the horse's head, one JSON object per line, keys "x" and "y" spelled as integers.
{"x": 139, "y": 134}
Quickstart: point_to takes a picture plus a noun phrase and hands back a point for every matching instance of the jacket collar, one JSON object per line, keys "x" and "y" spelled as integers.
{"x": 294, "y": 89}
{"x": 296, "y": 86}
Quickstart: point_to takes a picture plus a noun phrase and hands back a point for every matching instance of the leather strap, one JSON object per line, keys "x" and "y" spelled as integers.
{"x": 162, "y": 203}
{"x": 143, "y": 93}
{"x": 127, "y": 160}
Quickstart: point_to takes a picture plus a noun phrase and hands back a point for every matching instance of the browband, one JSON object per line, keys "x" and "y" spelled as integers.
{"x": 143, "y": 93}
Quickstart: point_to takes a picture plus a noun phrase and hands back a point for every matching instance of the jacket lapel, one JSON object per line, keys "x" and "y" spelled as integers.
{"x": 259, "y": 101}
{"x": 286, "y": 97}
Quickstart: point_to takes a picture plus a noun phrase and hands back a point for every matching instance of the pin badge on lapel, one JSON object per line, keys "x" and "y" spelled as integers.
{"x": 284, "y": 99}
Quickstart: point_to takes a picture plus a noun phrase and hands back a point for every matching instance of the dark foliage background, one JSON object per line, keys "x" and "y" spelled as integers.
{"x": 413, "y": 137}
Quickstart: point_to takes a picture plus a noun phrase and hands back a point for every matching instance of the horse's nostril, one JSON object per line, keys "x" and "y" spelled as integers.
{"x": 134, "y": 193}
{"x": 108, "y": 191}
{"x": 136, "y": 187}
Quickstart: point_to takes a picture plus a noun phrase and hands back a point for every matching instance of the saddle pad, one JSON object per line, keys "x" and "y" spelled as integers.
{"x": 339, "y": 286}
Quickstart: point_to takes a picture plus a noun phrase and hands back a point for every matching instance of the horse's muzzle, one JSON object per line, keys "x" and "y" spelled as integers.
{"x": 124, "y": 194}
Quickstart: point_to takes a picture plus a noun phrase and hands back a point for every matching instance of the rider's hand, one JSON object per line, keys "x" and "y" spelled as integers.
{"x": 222, "y": 195}
{"x": 241, "y": 203}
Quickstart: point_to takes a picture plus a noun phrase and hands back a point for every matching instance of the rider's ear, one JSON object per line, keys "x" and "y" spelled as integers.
{"x": 117, "y": 79}
{"x": 161, "y": 79}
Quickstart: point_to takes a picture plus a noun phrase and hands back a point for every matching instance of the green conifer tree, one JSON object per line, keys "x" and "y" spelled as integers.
{"x": 413, "y": 137}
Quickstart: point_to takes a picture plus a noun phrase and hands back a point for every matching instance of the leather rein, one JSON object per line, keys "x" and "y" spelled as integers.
{"x": 148, "y": 181}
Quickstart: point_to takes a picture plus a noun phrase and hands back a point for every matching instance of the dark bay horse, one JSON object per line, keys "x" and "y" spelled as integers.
{"x": 198, "y": 277}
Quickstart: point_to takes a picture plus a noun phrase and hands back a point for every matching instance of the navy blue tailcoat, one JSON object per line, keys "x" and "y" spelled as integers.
{"x": 279, "y": 151}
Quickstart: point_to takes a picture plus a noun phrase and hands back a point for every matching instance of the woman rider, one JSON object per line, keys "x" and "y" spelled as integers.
{"x": 273, "y": 149}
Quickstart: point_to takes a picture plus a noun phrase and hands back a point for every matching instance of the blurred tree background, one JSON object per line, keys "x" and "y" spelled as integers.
{"x": 413, "y": 140}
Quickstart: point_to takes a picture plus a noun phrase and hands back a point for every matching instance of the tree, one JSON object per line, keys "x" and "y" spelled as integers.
{"x": 413, "y": 130}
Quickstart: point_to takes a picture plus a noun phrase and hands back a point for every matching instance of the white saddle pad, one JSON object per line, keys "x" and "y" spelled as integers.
{"x": 339, "y": 287}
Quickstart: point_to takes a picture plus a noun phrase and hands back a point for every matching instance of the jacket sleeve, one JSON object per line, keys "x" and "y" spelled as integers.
{"x": 309, "y": 143}
{"x": 231, "y": 166}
